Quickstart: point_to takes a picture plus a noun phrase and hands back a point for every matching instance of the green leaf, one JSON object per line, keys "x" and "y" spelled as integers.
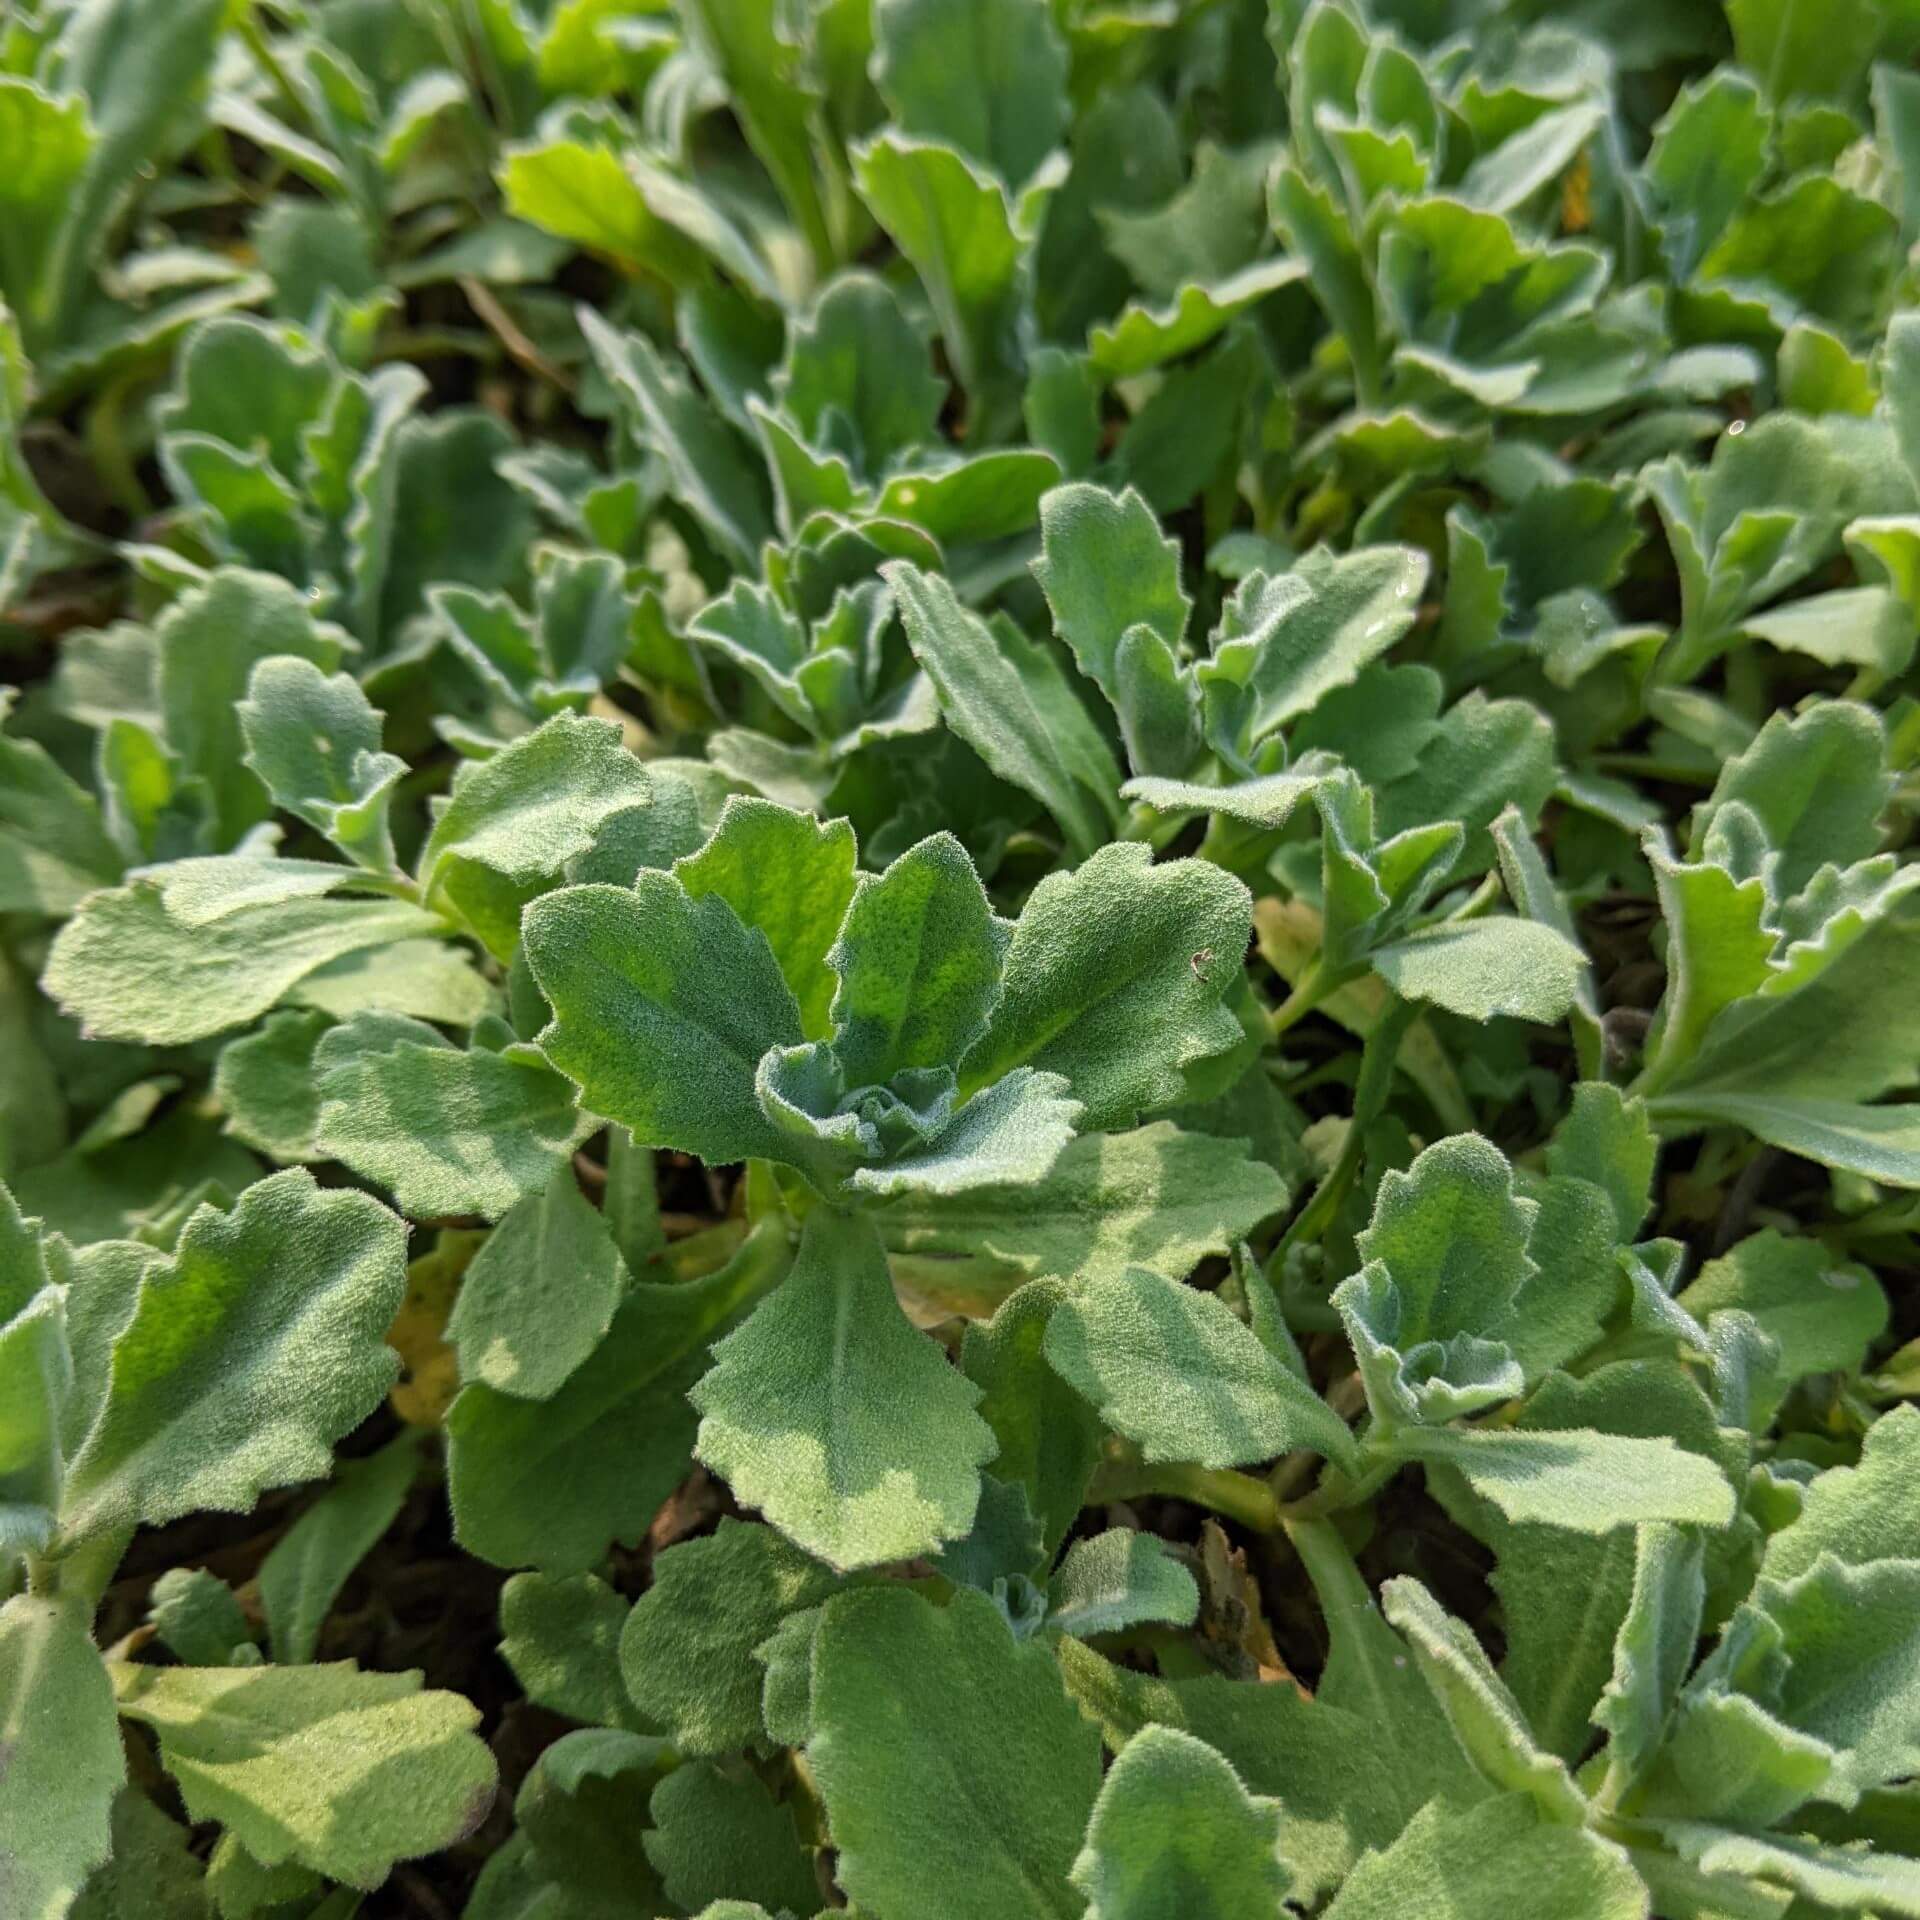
{"x": 1852, "y": 1677}
{"x": 989, "y": 79}
{"x": 1709, "y": 154}
{"x": 1114, "y": 1580}
{"x": 1010, "y": 1133}
{"x": 1287, "y": 642}
{"x": 314, "y": 742}
{"x": 316, "y": 1556}
{"x": 1839, "y": 1879}
{"x": 429, "y": 979}
{"x": 581, "y": 1810}
{"x": 1175, "y": 1833}
{"x": 48, "y": 143}
{"x": 1487, "y": 969}
{"x": 1719, "y": 950}
{"x": 445, "y": 1131}
{"x": 1584, "y": 1481}
{"x": 773, "y": 94}
{"x": 1010, "y": 702}
{"x": 561, "y": 1637}
{"x": 790, "y": 876}
{"x": 662, "y": 1008}
{"x": 1154, "y": 1197}
{"x": 1143, "y": 337}
{"x": 584, "y": 192}
{"x": 37, "y": 1375}
{"x": 719, "y": 1834}
{"x": 540, "y": 1293}
{"x": 986, "y": 1730}
{"x": 1654, "y": 1649}
{"x": 552, "y": 1483}
{"x": 150, "y": 1872}
{"x": 1817, "y": 783}
{"x": 1484, "y": 756}
{"x": 721, "y": 487}
{"x": 132, "y": 965}
{"x": 1105, "y": 567}
{"x": 965, "y": 238}
{"x": 1115, "y": 977}
{"x": 54, "y": 849}
{"x": 1343, "y": 1792}
{"x": 1606, "y": 1140}
{"x": 918, "y": 961}
{"x": 1049, "y": 1443}
{"x": 856, "y": 365}
{"x": 249, "y": 1353}
{"x": 1176, "y": 1372}
{"x": 829, "y": 1413}
{"x": 210, "y": 640}
{"x": 1823, "y": 1314}
{"x": 1858, "y": 1514}
{"x": 198, "y": 1619}
{"x": 343, "y": 1771}
{"x": 688, "y": 1649}
{"x": 1450, "y": 1235}
{"x": 1504, "y": 1855}
{"x": 1830, "y": 1026}
{"x": 1485, "y": 1717}
{"x": 265, "y": 1083}
{"x": 524, "y": 813}
{"x": 62, "y": 1749}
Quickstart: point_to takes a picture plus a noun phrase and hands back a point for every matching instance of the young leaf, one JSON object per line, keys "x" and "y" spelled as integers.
{"x": 1485, "y": 1718}
{"x": 716, "y": 1834}
{"x": 1153, "y": 1197}
{"x": 1048, "y": 1441}
{"x": 1105, "y": 568}
{"x": 1011, "y": 703}
{"x": 918, "y": 961}
{"x": 1486, "y": 969}
{"x": 992, "y": 83}
{"x": 314, "y": 740}
{"x": 1587, "y": 1482}
{"x": 522, "y": 815}
{"x": 131, "y": 965}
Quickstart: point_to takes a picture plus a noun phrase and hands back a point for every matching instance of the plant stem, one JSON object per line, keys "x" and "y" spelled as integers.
{"x": 1239, "y": 1496}
{"x": 1309, "y": 990}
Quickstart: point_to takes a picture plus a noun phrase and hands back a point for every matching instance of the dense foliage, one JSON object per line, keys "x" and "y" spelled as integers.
{"x": 955, "y": 958}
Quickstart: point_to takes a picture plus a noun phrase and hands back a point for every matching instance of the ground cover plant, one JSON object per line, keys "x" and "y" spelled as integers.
{"x": 959, "y": 959}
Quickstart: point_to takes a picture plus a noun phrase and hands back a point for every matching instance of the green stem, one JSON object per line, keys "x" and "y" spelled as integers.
{"x": 1337, "y": 1492}
{"x": 1314, "y": 985}
{"x": 1239, "y": 1496}
{"x": 1369, "y": 1098}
